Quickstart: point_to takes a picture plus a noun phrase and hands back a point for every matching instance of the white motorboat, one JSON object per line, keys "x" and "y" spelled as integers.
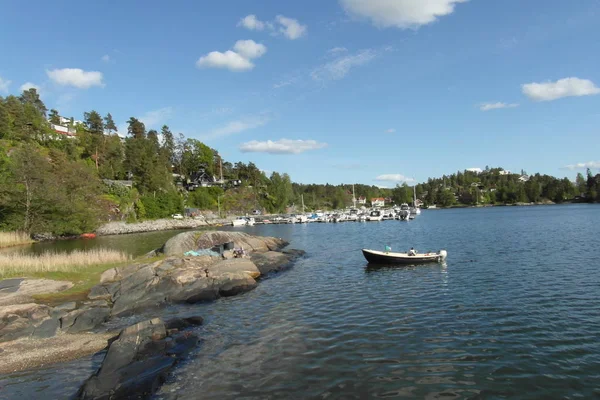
{"x": 404, "y": 212}
{"x": 375, "y": 215}
{"x": 242, "y": 221}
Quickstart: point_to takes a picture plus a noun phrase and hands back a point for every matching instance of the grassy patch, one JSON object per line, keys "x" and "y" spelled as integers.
{"x": 8, "y": 239}
{"x": 18, "y": 264}
{"x": 83, "y": 269}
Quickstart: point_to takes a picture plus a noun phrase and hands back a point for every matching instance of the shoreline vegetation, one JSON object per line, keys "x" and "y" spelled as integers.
{"x": 56, "y": 184}
{"x": 18, "y": 264}
{"x": 16, "y": 238}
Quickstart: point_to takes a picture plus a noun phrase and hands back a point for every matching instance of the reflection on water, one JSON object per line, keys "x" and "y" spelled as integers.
{"x": 522, "y": 321}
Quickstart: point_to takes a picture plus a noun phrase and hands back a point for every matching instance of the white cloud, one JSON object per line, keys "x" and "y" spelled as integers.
{"x": 4, "y": 84}
{"x": 249, "y": 48}
{"x": 477, "y": 170}
{"x": 391, "y": 130}
{"x": 238, "y": 126}
{"x": 156, "y": 118}
{"x": 566, "y": 87}
{"x": 402, "y": 14}
{"x": 282, "y": 146}
{"x": 341, "y": 66}
{"x": 584, "y": 165}
{"x": 496, "y": 106}
{"x": 76, "y": 77}
{"x": 252, "y": 23}
{"x": 237, "y": 61}
{"x": 286, "y": 82}
{"x": 337, "y": 50}
{"x": 29, "y": 85}
{"x": 291, "y": 28}
{"x": 393, "y": 178}
{"x": 229, "y": 60}
{"x": 106, "y": 58}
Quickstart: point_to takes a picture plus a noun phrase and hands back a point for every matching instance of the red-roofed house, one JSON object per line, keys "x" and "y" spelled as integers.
{"x": 377, "y": 202}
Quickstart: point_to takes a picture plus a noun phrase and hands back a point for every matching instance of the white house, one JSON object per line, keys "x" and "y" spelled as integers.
{"x": 377, "y": 202}
{"x": 362, "y": 200}
{"x": 504, "y": 172}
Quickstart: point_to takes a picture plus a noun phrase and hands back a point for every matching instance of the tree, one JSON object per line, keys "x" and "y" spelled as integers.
{"x": 136, "y": 128}
{"x": 31, "y": 96}
{"x": 54, "y": 117}
{"x": 168, "y": 145}
{"x": 109, "y": 124}
{"x": 94, "y": 122}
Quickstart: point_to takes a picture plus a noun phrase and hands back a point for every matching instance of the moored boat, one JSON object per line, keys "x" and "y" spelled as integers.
{"x": 387, "y": 257}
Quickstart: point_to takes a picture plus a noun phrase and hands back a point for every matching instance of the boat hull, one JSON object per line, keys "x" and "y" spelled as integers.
{"x": 378, "y": 257}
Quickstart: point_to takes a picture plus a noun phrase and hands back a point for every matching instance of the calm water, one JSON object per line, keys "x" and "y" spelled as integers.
{"x": 514, "y": 313}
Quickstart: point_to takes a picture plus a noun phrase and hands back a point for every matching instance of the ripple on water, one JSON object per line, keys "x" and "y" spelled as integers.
{"x": 514, "y": 313}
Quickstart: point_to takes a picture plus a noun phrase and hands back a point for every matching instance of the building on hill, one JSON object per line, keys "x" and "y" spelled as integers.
{"x": 362, "y": 200}
{"x": 504, "y": 172}
{"x": 524, "y": 178}
{"x": 377, "y": 202}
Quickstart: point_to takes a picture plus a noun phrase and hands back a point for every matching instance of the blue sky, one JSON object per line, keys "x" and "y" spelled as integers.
{"x": 335, "y": 91}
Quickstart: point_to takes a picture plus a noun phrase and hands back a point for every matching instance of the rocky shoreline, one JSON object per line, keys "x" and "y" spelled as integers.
{"x": 34, "y": 334}
{"x": 165, "y": 224}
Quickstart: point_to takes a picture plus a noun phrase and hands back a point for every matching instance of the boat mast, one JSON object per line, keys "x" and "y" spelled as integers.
{"x": 303, "y": 203}
{"x": 353, "y": 197}
{"x": 415, "y": 196}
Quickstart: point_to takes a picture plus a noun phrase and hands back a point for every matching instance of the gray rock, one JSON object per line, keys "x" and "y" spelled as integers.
{"x": 84, "y": 319}
{"x": 99, "y": 292}
{"x": 138, "y": 362}
{"x": 182, "y": 280}
{"x": 183, "y": 242}
{"x": 70, "y": 306}
{"x": 273, "y": 261}
{"x": 110, "y": 275}
{"x": 21, "y": 320}
{"x": 47, "y": 329}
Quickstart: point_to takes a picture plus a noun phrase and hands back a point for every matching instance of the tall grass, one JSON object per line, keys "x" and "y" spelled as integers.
{"x": 8, "y": 239}
{"x": 18, "y": 264}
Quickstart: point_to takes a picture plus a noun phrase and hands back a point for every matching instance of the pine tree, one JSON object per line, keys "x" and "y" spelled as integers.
{"x": 54, "y": 117}
{"x": 109, "y": 124}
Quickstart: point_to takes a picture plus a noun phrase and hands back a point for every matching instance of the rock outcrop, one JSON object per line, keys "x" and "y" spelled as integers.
{"x": 183, "y": 242}
{"x": 20, "y": 291}
{"x": 138, "y": 362}
{"x": 175, "y": 280}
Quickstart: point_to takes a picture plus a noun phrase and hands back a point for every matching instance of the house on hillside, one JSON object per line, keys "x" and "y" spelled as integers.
{"x": 524, "y": 178}
{"x": 504, "y": 172}
{"x": 362, "y": 200}
{"x": 377, "y": 202}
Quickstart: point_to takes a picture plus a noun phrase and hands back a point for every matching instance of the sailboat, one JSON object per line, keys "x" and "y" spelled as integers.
{"x": 414, "y": 210}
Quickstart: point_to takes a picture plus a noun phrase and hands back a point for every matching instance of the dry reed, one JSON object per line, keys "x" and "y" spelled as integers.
{"x": 8, "y": 239}
{"x": 19, "y": 264}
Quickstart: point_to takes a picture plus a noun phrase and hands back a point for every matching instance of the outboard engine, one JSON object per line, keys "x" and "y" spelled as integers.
{"x": 443, "y": 255}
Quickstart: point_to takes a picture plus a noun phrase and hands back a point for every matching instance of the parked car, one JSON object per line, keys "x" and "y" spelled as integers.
{"x": 256, "y": 212}
{"x": 177, "y": 216}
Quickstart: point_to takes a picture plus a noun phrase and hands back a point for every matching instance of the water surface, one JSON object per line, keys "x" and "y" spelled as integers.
{"x": 513, "y": 313}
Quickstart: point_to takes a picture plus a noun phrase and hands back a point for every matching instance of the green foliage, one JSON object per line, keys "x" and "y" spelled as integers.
{"x": 205, "y": 198}
{"x": 161, "y": 205}
{"x": 109, "y": 124}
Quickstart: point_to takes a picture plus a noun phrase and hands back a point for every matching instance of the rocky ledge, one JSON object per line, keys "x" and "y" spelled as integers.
{"x": 138, "y": 361}
{"x": 173, "y": 278}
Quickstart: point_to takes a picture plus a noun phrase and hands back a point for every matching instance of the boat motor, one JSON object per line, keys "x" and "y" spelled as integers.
{"x": 443, "y": 254}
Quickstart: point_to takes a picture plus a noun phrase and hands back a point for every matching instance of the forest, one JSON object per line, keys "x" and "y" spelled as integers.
{"x": 64, "y": 183}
